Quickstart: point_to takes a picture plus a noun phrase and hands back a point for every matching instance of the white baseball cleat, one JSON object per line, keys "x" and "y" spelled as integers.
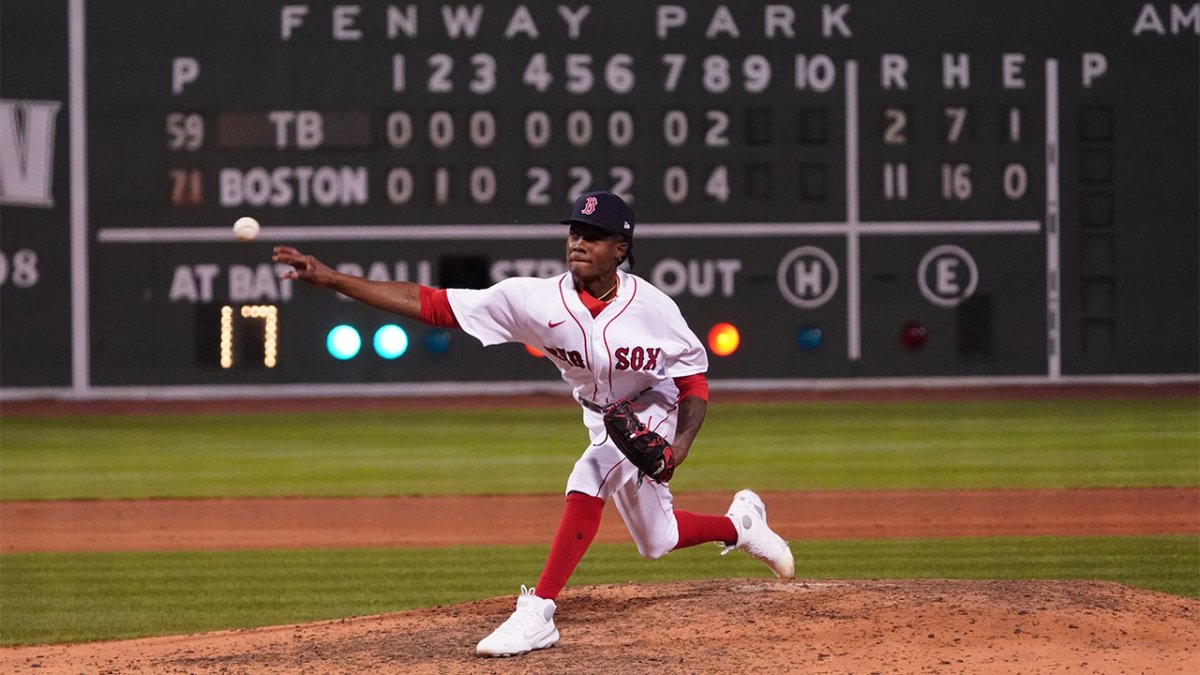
{"x": 749, "y": 516}
{"x": 530, "y": 627}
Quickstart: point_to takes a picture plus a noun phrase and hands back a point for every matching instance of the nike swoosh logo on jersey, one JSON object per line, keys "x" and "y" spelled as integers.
{"x": 553, "y": 324}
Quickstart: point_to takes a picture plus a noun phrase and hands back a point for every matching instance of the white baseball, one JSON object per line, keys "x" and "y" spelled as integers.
{"x": 245, "y": 228}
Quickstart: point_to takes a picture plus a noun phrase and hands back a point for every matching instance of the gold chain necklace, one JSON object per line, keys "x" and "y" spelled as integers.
{"x": 608, "y": 295}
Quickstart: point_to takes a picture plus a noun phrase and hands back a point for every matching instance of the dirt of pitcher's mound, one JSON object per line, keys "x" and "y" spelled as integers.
{"x": 725, "y": 626}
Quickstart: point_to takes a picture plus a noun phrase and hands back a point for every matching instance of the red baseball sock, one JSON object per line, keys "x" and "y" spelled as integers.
{"x": 695, "y": 528}
{"x": 576, "y": 530}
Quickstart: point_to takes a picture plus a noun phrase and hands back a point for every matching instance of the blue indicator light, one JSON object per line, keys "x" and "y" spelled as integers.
{"x": 343, "y": 342}
{"x": 391, "y": 341}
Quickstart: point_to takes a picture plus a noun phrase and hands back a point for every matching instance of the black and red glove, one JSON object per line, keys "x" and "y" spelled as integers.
{"x": 645, "y": 449}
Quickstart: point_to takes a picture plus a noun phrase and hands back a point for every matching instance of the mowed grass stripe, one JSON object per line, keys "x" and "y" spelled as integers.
{"x": 51, "y": 598}
{"x": 793, "y": 446}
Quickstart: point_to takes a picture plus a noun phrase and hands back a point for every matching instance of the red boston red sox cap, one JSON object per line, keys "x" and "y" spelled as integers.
{"x": 603, "y": 210}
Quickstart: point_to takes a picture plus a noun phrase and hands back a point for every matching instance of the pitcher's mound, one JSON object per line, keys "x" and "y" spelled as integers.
{"x": 725, "y": 626}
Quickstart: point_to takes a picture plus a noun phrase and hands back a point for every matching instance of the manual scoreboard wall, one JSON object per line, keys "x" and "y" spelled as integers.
{"x": 858, "y": 189}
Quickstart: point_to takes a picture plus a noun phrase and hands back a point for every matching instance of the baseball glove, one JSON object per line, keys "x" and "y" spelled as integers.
{"x": 646, "y": 450}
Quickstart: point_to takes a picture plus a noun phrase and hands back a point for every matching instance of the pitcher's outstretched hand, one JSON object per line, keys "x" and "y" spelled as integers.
{"x": 304, "y": 267}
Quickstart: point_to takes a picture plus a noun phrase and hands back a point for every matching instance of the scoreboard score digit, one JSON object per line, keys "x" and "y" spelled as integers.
{"x": 854, "y": 189}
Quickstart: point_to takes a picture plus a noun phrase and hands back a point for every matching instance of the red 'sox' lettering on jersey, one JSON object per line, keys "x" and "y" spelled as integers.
{"x": 637, "y": 358}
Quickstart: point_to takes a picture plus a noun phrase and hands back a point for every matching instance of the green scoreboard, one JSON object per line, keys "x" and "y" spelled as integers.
{"x": 830, "y": 190}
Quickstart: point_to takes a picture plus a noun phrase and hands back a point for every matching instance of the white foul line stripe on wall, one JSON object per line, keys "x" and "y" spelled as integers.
{"x": 191, "y": 235}
{"x": 504, "y": 389}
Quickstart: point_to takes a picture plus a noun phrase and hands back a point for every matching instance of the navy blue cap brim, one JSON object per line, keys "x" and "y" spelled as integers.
{"x": 598, "y": 226}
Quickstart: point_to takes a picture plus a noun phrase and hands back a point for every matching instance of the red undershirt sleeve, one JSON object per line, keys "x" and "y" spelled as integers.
{"x": 435, "y": 308}
{"x": 692, "y": 385}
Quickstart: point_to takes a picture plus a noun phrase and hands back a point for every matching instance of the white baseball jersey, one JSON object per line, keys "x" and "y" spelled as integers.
{"x": 634, "y": 348}
{"x": 639, "y": 341}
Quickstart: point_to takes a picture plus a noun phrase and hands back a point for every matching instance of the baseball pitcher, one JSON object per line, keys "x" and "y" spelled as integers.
{"x": 638, "y": 373}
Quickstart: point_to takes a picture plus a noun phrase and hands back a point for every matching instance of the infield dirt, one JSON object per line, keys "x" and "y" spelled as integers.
{"x": 226, "y": 524}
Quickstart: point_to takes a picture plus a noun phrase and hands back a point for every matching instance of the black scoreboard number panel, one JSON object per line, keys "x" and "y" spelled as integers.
{"x": 859, "y": 190}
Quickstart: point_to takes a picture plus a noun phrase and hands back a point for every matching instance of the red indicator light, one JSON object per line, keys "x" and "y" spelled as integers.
{"x": 724, "y": 339}
{"x": 913, "y": 335}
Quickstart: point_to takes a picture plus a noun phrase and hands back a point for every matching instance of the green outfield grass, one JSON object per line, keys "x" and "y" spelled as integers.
{"x": 82, "y": 597}
{"x": 978, "y": 444}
